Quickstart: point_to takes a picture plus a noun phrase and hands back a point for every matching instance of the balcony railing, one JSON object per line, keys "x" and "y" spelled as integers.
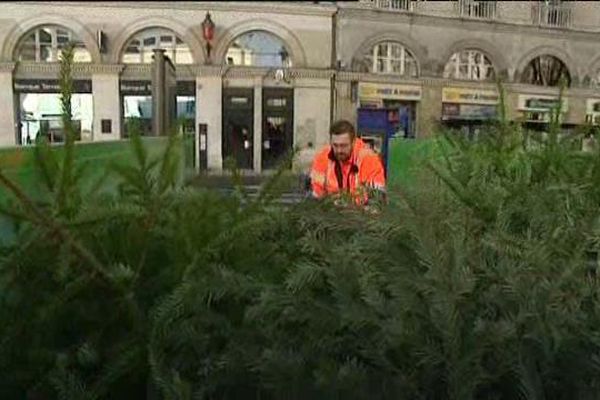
{"x": 549, "y": 14}
{"x": 394, "y": 5}
{"x": 477, "y": 9}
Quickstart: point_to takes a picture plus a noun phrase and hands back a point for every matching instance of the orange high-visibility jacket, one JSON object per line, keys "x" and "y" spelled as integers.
{"x": 363, "y": 170}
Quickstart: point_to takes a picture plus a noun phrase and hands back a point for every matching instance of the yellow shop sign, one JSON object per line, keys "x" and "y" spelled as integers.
{"x": 384, "y": 91}
{"x": 469, "y": 96}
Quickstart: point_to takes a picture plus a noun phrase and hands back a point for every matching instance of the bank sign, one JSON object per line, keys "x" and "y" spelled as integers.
{"x": 391, "y": 92}
{"x": 136, "y": 87}
{"x": 470, "y": 96}
{"x": 49, "y": 86}
{"x": 144, "y": 88}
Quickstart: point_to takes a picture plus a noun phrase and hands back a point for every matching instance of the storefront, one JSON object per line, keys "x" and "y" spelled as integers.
{"x": 385, "y": 111}
{"x": 535, "y": 112}
{"x": 39, "y": 110}
{"x": 398, "y": 101}
{"x": 136, "y": 103}
{"x": 467, "y": 110}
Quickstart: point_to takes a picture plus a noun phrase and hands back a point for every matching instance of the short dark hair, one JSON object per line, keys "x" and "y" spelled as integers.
{"x": 341, "y": 127}
{"x": 309, "y": 144}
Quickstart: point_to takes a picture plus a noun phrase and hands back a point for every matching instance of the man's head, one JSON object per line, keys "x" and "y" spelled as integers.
{"x": 342, "y": 136}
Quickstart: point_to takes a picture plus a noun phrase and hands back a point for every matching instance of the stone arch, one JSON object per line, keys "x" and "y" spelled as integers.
{"x": 419, "y": 51}
{"x": 552, "y": 51}
{"x": 19, "y": 30}
{"x": 195, "y": 45}
{"x": 499, "y": 62}
{"x": 293, "y": 45}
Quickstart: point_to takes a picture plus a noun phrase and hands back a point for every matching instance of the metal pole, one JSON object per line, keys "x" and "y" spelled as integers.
{"x": 197, "y": 148}
{"x": 158, "y": 94}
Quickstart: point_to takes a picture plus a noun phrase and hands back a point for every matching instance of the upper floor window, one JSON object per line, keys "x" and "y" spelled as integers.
{"x": 472, "y": 65}
{"x": 259, "y": 49}
{"x": 391, "y": 58}
{"x": 45, "y": 43}
{"x": 546, "y": 70}
{"x": 139, "y": 49}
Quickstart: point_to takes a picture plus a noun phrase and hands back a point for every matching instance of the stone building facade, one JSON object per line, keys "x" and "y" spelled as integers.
{"x": 440, "y": 60}
{"x": 265, "y": 87}
{"x": 279, "y": 72}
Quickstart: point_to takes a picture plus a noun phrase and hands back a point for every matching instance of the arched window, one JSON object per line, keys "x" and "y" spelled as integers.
{"x": 471, "y": 65}
{"x": 391, "y": 58}
{"x": 259, "y": 49}
{"x": 546, "y": 70}
{"x": 44, "y": 44}
{"x": 139, "y": 48}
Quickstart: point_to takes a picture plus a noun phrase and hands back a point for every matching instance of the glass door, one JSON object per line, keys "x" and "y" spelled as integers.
{"x": 277, "y": 126}
{"x": 238, "y": 124}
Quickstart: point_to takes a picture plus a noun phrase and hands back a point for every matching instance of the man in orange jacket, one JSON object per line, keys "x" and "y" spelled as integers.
{"x": 346, "y": 165}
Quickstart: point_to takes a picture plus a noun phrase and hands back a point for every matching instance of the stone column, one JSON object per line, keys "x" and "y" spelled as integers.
{"x": 258, "y": 137}
{"x": 312, "y": 102}
{"x": 512, "y": 103}
{"x": 107, "y": 102}
{"x": 345, "y": 107}
{"x": 429, "y": 109}
{"x": 7, "y": 106}
{"x": 209, "y": 93}
{"x": 577, "y": 109}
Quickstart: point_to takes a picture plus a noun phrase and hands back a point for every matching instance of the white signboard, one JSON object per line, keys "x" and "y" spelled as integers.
{"x": 540, "y": 103}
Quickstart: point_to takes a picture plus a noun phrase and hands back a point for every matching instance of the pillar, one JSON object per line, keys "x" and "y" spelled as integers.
{"x": 258, "y": 142}
{"x": 7, "y": 106}
{"x": 429, "y": 109}
{"x": 312, "y": 102}
{"x": 107, "y": 103}
{"x": 209, "y": 111}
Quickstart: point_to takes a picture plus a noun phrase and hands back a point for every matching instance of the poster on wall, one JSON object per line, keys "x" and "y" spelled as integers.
{"x": 450, "y": 110}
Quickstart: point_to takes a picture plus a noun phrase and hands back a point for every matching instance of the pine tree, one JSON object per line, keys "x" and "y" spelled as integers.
{"x": 478, "y": 282}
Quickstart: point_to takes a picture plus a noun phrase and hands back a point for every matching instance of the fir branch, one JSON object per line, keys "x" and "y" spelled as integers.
{"x": 66, "y": 183}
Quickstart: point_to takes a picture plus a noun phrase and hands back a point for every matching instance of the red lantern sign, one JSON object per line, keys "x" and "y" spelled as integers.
{"x": 208, "y": 28}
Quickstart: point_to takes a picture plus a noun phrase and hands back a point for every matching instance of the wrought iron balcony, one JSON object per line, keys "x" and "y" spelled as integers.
{"x": 477, "y": 9}
{"x": 393, "y": 5}
{"x": 557, "y": 14}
